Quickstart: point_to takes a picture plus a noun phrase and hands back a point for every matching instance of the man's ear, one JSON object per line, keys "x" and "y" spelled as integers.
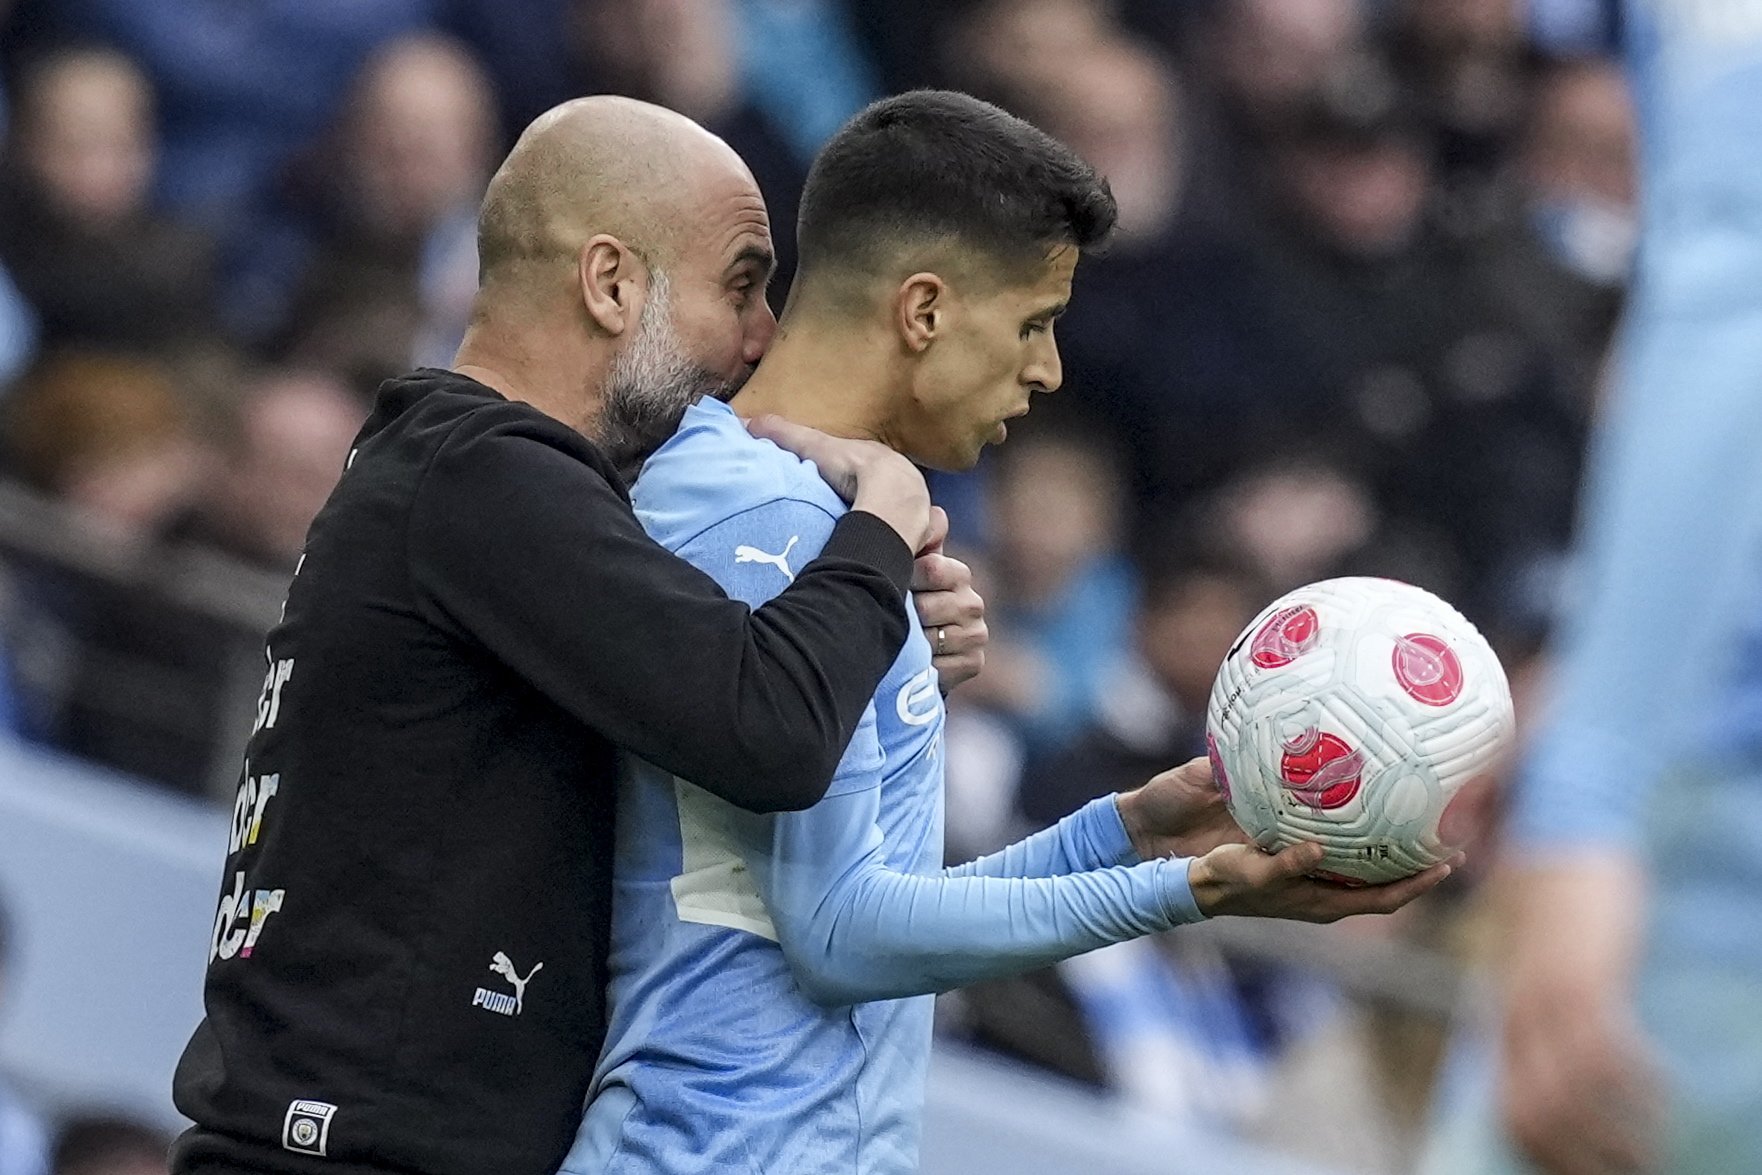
{"x": 613, "y": 281}
{"x": 921, "y": 309}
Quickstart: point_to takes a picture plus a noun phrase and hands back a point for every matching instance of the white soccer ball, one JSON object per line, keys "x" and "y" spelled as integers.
{"x": 1351, "y": 712}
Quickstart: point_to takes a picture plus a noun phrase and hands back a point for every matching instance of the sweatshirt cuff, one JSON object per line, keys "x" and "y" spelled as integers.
{"x": 861, "y": 537}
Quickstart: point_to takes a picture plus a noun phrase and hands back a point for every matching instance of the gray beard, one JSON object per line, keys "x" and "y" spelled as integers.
{"x": 651, "y": 384}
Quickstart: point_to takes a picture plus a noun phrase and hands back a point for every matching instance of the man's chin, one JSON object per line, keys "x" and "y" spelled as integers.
{"x": 726, "y": 389}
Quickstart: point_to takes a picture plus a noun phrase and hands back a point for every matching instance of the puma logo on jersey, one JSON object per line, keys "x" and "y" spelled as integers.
{"x": 501, "y": 1002}
{"x": 746, "y": 554}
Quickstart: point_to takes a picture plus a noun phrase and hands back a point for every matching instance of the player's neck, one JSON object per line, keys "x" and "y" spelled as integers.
{"x": 822, "y": 378}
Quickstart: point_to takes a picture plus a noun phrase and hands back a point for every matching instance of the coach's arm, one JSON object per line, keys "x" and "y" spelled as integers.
{"x": 524, "y": 541}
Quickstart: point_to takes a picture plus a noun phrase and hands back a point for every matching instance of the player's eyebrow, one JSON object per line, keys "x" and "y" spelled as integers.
{"x": 1054, "y": 311}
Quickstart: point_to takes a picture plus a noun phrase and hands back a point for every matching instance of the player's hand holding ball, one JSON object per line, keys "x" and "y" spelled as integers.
{"x": 1351, "y": 713}
{"x": 1181, "y": 813}
{"x": 1242, "y": 879}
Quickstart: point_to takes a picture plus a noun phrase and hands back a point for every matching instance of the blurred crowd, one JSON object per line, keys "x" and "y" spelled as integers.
{"x": 1370, "y": 255}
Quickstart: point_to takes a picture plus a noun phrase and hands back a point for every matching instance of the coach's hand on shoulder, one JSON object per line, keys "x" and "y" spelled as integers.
{"x": 951, "y": 611}
{"x": 1242, "y": 879}
{"x": 867, "y": 474}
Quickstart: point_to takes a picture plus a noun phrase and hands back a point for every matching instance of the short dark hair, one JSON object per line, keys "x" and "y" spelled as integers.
{"x": 939, "y": 164}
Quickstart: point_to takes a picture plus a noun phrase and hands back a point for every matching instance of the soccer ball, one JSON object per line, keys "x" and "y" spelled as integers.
{"x": 1351, "y": 712}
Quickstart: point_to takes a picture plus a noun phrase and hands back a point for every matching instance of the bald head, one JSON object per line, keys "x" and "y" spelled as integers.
{"x": 597, "y": 165}
{"x": 623, "y": 253}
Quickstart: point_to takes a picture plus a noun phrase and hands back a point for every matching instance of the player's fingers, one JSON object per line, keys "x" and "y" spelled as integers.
{"x": 937, "y": 534}
{"x": 1197, "y": 774}
{"x": 1294, "y": 861}
{"x": 936, "y": 572}
{"x": 1342, "y": 902}
{"x": 954, "y": 668}
{"x": 957, "y": 640}
{"x": 1386, "y": 899}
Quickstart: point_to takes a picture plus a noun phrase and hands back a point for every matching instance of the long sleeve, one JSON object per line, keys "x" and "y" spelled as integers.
{"x": 1092, "y": 837}
{"x": 1661, "y": 631}
{"x": 855, "y": 930}
{"x": 524, "y": 547}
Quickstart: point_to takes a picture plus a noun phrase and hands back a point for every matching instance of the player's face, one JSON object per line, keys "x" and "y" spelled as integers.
{"x": 998, "y": 350}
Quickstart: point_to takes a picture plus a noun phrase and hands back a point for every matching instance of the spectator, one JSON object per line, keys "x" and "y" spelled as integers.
{"x": 111, "y": 437}
{"x": 1576, "y": 160}
{"x": 1121, "y": 110}
{"x": 1151, "y": 710}
{"x": 1169, "y": 340}
{"x": 76, "y": 231}
{"x": 1060, "y": 592}
{"x": 1267, "y": 58}
{"x": 18, "y": 331}
{"x": 1466, "y": 66}
{"x": 1010, "y": 48}
{"x": 1452, "y": 405}
{"x": 92, "y": 1145}
{"x": 243, "y": 87}
{"x": 682, "y": 54}
{"x": 804, "y": 66}
{"x": 1292, "y": 517}
{"x": 286, "y": 453}
{"x": 23, "y": 1144}
{"x": 338, "y": 287}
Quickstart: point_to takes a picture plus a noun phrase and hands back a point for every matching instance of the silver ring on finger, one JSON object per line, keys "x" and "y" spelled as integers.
{"x": 941, "y": 640}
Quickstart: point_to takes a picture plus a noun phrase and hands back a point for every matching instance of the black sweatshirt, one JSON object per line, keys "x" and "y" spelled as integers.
{"x": 426, "y": 809}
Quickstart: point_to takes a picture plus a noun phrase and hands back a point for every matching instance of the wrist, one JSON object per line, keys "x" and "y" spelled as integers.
{"x": 1131, "y": 809}
{"x": 1203, "y": 883}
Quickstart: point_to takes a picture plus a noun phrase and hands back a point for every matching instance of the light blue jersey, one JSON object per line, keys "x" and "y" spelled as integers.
{"x": 770, "y": 975}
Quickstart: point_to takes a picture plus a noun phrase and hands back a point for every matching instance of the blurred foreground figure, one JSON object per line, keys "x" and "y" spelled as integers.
{"x": 109, "y": 1146}
{"x": 1632, "y": 1030}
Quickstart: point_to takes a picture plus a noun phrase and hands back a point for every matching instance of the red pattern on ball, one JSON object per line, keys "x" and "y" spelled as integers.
{"x": 1287, "y": 635}
{"x": 1326, "y": 774}
{"x": 1427, "y": 668}
{"x": 1219, "y": 775}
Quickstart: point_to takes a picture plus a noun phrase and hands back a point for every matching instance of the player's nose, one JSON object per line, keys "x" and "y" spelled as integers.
{"x": 1045, "y": 372}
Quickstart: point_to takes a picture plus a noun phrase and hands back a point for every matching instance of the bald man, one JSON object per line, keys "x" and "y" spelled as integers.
{"x": 407, "y": 959}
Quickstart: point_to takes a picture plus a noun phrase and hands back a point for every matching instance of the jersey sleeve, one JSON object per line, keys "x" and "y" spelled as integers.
{"x": 527, "y": 552}
{"x": 1655, "y": 634}
{"x": 855, "y": 930}
{"x": 1092, "y": 837}
{"x": 752, "y": 556}
{"x": 755, "y": 555}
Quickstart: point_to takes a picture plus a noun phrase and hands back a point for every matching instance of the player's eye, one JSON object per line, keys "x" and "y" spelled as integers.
{"x": 1032, "y": 328}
